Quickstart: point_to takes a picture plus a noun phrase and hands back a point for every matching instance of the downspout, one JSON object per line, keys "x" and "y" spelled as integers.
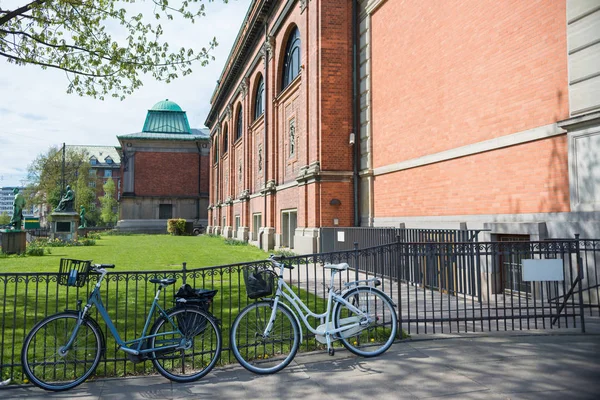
{"x": 199, "y": 177}
{"x": 356, "y": 111}
{"x": 266, "y": 137}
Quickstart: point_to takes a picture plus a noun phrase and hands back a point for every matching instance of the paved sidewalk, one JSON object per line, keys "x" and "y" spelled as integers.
{"x": 535, "y": 366}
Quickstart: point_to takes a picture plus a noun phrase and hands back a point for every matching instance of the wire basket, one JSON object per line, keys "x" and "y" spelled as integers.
{"x": 73, "y": 272}
{"x": 259, "y": 282}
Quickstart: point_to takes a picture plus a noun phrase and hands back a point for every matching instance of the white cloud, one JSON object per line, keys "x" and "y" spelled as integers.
{"x": 36, "y": 112}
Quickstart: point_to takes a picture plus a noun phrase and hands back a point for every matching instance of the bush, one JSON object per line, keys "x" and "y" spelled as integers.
{"x": 176, "y": 226}
{"x": 235, "y": 242}
{"x": 93, "y": 235}
{"x": 284, "y": 252}
{"x": 87, "y": 242}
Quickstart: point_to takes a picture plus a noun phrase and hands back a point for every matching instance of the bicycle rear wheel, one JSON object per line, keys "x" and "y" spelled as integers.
{"x": 200, "y": 345}
{"x": 377, "y": 332}
{"x": 48, "y": 365}
{"x": 264, "y": 355}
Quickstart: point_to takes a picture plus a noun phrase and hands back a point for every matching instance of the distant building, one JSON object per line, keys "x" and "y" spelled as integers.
{"x": 6, "y": 201}
{"x": 105, "y": 162}
{"x": 165, "y": 171}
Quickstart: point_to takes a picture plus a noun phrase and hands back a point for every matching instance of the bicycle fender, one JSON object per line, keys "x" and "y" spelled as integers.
{"x": 281, "y": 304}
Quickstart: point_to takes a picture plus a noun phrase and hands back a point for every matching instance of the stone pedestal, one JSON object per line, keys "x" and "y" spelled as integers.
{"x": 13, "y": 242}
{"x": 64, "y": 226}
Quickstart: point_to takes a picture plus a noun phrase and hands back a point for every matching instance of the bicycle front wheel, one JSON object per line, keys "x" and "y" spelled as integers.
{"x": 48, "y": 364}
{"x": 375, "y": 329}
{"x": 259, "y": 353}
{"x": 198, "y": 345}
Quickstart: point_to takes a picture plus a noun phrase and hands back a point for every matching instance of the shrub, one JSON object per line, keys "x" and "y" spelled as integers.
{"x": 235, "y": 242}
{"x": 284, "y": 252}
{"x": 87, "y": 242}
{"x": 93, "y": 235}
{"x": 176, "y": 226}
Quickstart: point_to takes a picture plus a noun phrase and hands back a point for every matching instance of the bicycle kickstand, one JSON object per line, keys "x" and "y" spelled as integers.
{"x": 330, "y": 348}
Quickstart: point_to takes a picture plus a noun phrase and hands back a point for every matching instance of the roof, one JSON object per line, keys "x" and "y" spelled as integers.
{"x": 251, "y": 30}
{"x": 166, "y": 117}
{"x": 99, "y": 152}
{"x": 166, "y": 136}
{"x": 166, "y": 105}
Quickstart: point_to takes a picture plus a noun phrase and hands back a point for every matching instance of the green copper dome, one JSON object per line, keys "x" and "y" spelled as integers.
{"x": 166, "y": 105}
{"x": 166, "y": 117}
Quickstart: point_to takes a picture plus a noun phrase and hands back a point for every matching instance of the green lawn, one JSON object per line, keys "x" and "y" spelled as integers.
{"x": 125, "y": 295}
{"x": 140, "y": 253}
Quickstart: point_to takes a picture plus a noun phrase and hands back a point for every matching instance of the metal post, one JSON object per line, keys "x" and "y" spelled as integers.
{"x": 355, "y": 261}
{"x": 184, "y": 273}
{"x": 579, "y": 284}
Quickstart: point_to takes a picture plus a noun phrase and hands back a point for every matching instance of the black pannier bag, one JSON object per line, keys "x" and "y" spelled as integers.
{"x": 192, "y": 324}
{"x": 259, "y": 282}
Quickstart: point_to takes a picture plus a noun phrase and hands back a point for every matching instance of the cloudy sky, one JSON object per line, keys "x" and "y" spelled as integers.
{"x": 37, "y": 113}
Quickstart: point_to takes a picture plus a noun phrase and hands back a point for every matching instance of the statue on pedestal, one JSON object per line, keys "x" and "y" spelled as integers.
{"x": 67, "y": 201}
{"x": 82, "y": 221}
{"x": 18, "y": 204}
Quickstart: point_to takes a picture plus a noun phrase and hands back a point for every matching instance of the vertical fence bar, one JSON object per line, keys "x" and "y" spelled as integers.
{"x": 579, "y": 284}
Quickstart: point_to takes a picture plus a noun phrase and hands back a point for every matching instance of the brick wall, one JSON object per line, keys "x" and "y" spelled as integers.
{"x": 529, "y": 178}
{"x": 166, "y": 174}
{"x": 451, "y": 73}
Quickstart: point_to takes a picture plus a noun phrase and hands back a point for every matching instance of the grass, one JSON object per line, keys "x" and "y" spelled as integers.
{"x": 126, "y": 296}
{"x": 140, "y": 253}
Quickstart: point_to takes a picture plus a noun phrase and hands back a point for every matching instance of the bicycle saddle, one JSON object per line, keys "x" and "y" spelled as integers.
{"x": 164, "y": 281}
{"x": 339, "y": 267}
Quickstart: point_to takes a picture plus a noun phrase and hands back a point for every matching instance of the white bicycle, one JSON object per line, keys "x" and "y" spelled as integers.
{"x": 265, "y": 335}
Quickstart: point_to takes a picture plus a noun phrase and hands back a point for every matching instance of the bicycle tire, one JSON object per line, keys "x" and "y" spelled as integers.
{"x": 264, "y": 355}
{"x": 204, "y": 338}
{"x": 375, "y": 338}
{"x": 40, "y": 354}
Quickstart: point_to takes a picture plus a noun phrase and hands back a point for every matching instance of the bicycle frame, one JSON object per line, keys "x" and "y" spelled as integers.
{"x": 285, "y": 291}
{"x": 94, "y": 299}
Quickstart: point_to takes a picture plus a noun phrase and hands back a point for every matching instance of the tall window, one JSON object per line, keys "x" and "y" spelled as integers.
{"x": 225, "y": 140}
{"x": 239, "y": 124}
{"x": 291, "y": 61}
{"x": 259, "y": 101}
{"x": 216, "y": 151}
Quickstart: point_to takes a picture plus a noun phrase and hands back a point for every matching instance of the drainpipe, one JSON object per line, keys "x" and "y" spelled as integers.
{"x": 266, "y": 137}
{"x": 199, "y": 180}
{"x": 356, "y": 110}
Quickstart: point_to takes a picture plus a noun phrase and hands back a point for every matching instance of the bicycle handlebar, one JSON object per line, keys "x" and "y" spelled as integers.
{"x": 98, "y": 266}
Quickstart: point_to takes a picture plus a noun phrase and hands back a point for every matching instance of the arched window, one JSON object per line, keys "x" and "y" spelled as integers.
{"x": 291, "y": 60}
{"x": 216, "y": 151}
{"x": 259, "y": 101}
{"x": 225, "y": 140}
{"x": 239, "y": 128}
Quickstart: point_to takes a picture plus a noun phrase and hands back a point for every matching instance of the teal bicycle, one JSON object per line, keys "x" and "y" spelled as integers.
{"x": 63, "y": 350}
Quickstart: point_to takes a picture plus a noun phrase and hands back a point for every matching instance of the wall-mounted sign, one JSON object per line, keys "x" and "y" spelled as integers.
{"x": 543, "y": 270}
{"x": 341, "y": 237}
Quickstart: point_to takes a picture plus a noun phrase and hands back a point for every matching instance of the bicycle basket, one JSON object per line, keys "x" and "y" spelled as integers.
{"x": 259, "y": 282}
{"x": 73, "y": 272}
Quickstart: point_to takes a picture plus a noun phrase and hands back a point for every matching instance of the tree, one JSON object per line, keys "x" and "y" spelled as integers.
{"x": 4, "y": 218}
{"x": 109, "y": 204}
{"x": 46, "y": 180}
{"x": 102, "y": 45}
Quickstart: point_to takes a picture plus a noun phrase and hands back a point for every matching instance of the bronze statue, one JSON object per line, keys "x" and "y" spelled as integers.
{"x": 67, "y": 201}
{"x": 18, "y": 204}
{"x": 82, "y": 221}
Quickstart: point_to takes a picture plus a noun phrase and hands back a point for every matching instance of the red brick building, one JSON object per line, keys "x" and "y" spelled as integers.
{"x": 164, "y": 171}
{"x": 438, "y": 114}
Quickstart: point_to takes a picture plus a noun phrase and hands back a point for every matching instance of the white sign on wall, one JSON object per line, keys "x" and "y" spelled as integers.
{"x": 543, "y": 270}
{"x": 341, "y": 237}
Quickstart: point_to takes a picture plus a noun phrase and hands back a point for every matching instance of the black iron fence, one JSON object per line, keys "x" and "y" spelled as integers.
{"x": 437, "y": 287}
{"x": 344, "y": 238}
